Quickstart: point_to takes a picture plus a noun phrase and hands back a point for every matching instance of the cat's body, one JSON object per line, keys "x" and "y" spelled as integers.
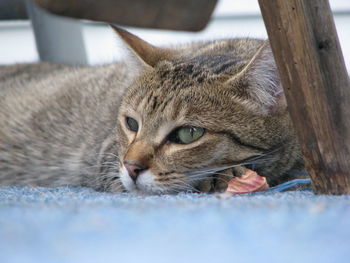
{"x": 62, "y": 125}
{"x": 56, "y": 121}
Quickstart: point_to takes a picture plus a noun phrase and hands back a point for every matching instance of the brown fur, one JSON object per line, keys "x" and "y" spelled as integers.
{"x": 64, "y": 125}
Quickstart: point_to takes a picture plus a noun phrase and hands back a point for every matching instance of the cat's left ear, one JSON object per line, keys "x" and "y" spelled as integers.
{"x": 260, "y": 82}
{"x": 143, "y": 50}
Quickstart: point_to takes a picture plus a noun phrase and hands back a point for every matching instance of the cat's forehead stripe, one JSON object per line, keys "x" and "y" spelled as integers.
{"x": 165, "y": 103}
{"x": 158, "y": 102}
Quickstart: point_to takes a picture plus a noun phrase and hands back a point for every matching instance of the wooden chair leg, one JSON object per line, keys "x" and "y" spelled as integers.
{"x": 316, "y": 84}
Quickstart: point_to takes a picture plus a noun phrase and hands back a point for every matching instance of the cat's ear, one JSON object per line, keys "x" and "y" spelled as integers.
{"x": 260, "y": 82}
{"x": 146, "y": 52}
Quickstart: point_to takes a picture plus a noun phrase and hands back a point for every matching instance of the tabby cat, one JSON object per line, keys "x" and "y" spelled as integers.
{"x": 168, "y": 120}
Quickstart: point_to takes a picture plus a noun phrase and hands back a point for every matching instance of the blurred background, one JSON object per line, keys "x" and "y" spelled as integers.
{"x": 231, "y": 18}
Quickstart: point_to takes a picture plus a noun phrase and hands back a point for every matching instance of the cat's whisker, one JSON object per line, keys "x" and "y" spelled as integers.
{"x": 190, "y": 181}
{"x": 255, "y": 161}
{"x": 108, "y": 154}
{"x": 106, "y": 178}
{"x": 183, "y": 188}
{"x": 101, "y": 165}
{"x": 117, "y": 185}
{"x": 179, "y": 186}
{"x": 210, "y": 176}
{"x": 188, "y": 186}
{"x": 109, "y": 163}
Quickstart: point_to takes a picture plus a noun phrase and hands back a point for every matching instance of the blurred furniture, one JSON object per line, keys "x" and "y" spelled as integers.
{"x": 58, "y": 39}
{"x": 189, "y": 15}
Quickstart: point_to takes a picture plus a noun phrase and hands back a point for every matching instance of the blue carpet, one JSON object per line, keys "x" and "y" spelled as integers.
{"x": 80, "y": 225}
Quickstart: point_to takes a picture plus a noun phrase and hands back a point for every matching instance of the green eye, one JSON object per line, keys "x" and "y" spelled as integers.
{"x": 186, "y": 135}
{"x": 132, "y": 124}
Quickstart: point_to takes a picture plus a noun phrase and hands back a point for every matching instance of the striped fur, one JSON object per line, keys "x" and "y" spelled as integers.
{"x": 62, "y": 125}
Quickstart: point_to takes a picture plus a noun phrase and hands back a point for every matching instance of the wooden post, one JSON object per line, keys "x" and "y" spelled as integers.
{"x": 316, "y": 84}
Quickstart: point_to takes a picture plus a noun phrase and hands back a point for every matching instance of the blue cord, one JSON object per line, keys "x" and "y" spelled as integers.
{"x": 288, "y": 185}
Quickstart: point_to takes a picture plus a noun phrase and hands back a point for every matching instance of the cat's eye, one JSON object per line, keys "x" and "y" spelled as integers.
{"x": 186, "y": 135}
{"x": 132, "y": 124}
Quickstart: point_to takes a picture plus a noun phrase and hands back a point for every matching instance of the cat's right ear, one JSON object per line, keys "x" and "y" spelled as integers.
{"x": 147, "y": 53}
{"x": 259, "y": 83}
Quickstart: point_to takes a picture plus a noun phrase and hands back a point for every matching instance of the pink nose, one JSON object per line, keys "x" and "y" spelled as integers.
{"x": 134, "y": 169}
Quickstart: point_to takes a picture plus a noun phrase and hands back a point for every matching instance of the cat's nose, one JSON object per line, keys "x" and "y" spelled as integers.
{"x": 134, "y": 169}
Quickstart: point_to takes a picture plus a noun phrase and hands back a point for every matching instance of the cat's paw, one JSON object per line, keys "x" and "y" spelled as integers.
{"x": 205, "y": 185}
{"x": 216, "y": 183}
{"x": 237, "y": 180}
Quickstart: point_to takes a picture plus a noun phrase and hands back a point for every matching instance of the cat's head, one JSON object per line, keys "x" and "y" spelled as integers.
{"x": 197, "y": 111}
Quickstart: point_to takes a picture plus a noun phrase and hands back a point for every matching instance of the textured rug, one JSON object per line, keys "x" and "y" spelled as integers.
{"x": 81, "y": 225}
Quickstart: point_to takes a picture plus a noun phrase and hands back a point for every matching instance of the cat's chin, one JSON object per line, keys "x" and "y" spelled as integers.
{"x": 144, "y": 184}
